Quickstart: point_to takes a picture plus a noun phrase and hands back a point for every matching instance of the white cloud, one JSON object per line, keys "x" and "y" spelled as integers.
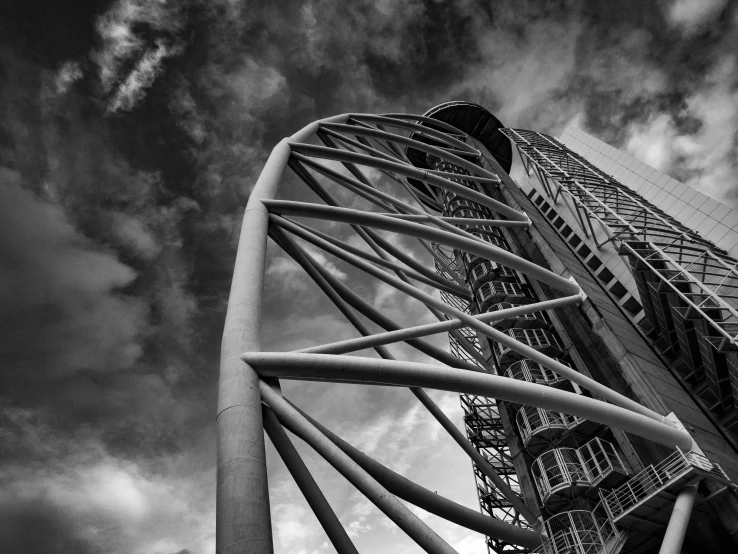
{"x": 692, "y": 14}
{"x": 142, "y": 77}
{"x": 707, "y": 155}
{"x": 121, "y": 45}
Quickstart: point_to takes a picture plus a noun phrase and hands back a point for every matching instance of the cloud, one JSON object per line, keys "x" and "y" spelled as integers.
{"x": 127, "y": 62}
{"x": 703, "y": 153}
{"x": 690, "y": 15}
{"x": 133, "y": 88}
{"x": 64, "y": 310}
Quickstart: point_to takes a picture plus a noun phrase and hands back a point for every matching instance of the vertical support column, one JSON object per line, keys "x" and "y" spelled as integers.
{"x": 242, "y": 517}
{"x": 243, "y": 521}
{"x": 677, "y": 528}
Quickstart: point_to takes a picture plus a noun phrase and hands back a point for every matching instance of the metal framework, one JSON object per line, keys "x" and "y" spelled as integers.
{"x": 250, "y": 399}
{"x": 687, "y": 286}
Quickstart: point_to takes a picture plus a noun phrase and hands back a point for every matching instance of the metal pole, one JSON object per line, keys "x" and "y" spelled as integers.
{"x": 389, "y": 337}
{"x": 446, "y": 238}
{"x": 505, "y": 490}
{"x": 243, "y": 523}
{"x": 326, "y": 367}
{"x": 483, "y": 465}
{"x": 345, "y": 299}
{"x": 431, "y": 501}
{"x": 423, "y": 535}
{"x": 680, "y": 514}
{"x": 309, "y": 488}
{"x": 471, "y": 321}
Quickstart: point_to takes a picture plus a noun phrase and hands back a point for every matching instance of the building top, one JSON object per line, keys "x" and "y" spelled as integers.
{"x": 713, "y": 220}
{"x": 472, "y": 119}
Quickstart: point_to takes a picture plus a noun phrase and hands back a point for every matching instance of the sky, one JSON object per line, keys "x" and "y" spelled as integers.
{"x": 131, "y": 133}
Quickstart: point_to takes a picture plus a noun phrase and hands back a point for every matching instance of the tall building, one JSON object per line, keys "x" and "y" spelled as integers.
{"x": 600, "y": 293}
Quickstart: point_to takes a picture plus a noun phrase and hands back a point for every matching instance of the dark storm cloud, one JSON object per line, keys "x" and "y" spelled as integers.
{"x": 131, "y": 133}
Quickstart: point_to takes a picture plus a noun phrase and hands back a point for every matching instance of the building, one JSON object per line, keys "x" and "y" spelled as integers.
{"x": 592, "y": 302}
{"x": 657, "y": 262}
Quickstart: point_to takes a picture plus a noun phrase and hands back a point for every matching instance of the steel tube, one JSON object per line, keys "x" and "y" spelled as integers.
{"x": 368, "y": 233}
{"x": 423, "y": 218}
{"x": 506, "y": 491}
{"x": 449, "y": 286}
{"x": 679, "y": 520}
{"x": 345, "y": 299}
{"x": 242, "y": 507}
{"x": 473, "y": 168}
{"x": 425, "y": 537}
{"x": 474, "y": 323}
{"x": 309, "y": 488}
{"x": 446, "y": 238}
{"x": 474, "y": 454}
{"x": 405, "y": 170}
{"x": 412, "y": 374}
{"x": 352, "y": 345}
{"x": 430, "y": 501}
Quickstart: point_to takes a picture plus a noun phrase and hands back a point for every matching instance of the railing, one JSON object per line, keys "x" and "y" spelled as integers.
{"x": 534, "y": 421}
{"x": 539, "y": 339}
{"x": 496, "y": 291}
{"x": 533, "y": 319}
{"x": 558, "y": 470}
{"x": 490, "y": 271}
{"x": 656, "y": 477}
{"x": 600, "y": 460}
{"x": 578, "y": 532}
{"x": 568, "y": 468}
{"x": 533, "y": 372}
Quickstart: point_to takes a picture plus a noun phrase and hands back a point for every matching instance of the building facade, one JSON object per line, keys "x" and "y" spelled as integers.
{"x": 656, "y": 261}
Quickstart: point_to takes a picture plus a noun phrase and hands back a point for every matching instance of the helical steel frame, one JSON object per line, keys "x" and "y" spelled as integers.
{"x": 250, "y": 399}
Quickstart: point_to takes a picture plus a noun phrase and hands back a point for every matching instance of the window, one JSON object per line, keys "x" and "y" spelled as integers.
{"x": 618, "y": 289}
{"x": 632, "y": 306}
{"x": 594, "y": 262}
{"x": 605, "y": 275}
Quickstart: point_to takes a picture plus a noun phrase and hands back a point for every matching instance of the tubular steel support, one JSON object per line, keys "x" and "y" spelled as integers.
{"x": 451, "y": 182}
{"x": 679, "y": 520}
{"x": 430, "y": 501}
{"x": 309, "y": 488}
{"x": 482, "y": 464}
{"x": 505, "y": 490}
{"x": 411, "y": 374}
{"x": 376, "y": 493}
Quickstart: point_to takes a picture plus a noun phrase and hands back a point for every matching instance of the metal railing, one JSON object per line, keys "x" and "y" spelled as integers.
{"x": 654, "y": 478}
{"x": 578, "y": 532}
{"x": 568, "y": 468}
{"x": 533, "y": 372}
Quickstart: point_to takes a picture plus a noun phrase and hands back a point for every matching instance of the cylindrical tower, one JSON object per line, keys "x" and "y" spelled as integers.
{"x": 560, "y": 462}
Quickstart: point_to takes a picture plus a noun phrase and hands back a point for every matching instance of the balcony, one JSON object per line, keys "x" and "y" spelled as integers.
{"x": 470, "y": 210}
{"x": 490, "y": 271}
{"x": 533, "y": 372}
{"x": 641, "y": 498}
{"x": 534, "y": 320}
{"x": 455, "y": 202}
{"x": 538, "y": 339}
{"x": 563, "y": 474}
{"x": 540, "y": 429}
{"x": 560, "y": 478}
{"x": 580, "y": 532}
{"x": 494, "y": 292}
